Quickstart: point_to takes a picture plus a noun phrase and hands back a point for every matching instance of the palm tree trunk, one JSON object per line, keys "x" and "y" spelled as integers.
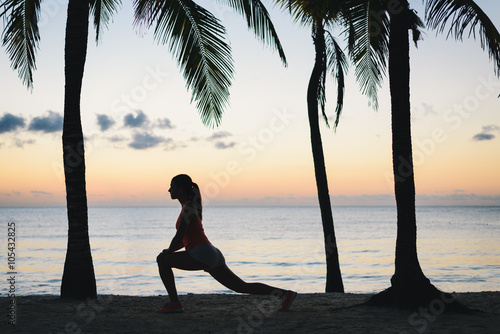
{"x": 333, "y": 275}
{"x": 78, "y": 280}
{"x": 407, "y": 267}
{"x": 409, "y": 286}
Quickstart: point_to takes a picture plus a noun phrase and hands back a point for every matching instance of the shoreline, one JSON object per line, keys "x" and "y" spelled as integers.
{"x": 236, "y": 313}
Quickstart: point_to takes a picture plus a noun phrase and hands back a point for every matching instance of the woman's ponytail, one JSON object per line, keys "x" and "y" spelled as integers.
{"x": 196, "y": 198}
{"x": 192, "y": 190}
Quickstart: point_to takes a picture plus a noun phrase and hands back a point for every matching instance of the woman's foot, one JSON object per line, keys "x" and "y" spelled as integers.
{"x": 171, "y": 308}
{"x": 288, "y": 299}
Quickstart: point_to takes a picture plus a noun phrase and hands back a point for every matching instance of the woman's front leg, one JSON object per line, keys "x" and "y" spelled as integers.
{"x": 167, "y": 277}
{"x": 180, "y": 260}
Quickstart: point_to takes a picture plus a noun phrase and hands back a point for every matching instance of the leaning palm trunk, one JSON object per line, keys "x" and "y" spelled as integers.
{"x": 333, "y": 275}
{"x": 78, "y": 281}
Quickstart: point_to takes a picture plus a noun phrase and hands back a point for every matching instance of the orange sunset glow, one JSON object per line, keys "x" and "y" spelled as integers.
{"x": 260, "y": 154}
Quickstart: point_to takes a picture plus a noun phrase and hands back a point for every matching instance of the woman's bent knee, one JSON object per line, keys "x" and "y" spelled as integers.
{"x": 159, "y": 258}
{"x": 162, "y": 259}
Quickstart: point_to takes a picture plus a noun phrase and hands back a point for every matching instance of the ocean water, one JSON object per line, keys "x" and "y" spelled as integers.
{"x": 458, "y": 247}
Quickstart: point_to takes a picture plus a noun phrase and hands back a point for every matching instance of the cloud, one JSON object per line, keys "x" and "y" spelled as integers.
{"x": 51, "y": 123}
{"x": 12, "y": 193}
{"x": 428, "y": 109}
{"x": 364, "y": 199}
{"x": 486, "y": 134}
{"x": 138, "y": 121}
{"x": 387, "y": 200}
{"x": 483, "y": 137}
{"x": 221, "y": 146}
{"x": 165, "y": 124}
{"x": 219, "y": 135}
{"x": 38, "y": 192}
{"x": 144, "y": 141}
{"x": 491, "y": 128}
{"x": 104, "y": 122}
{"x": 9, "y": 122}
{"x": 458, "y": 198}
{"x": 20, "y": 143}
{"x": 116, "y": 139}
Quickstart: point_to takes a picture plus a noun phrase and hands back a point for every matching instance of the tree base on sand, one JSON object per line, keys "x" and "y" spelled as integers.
{"x": 78, "y": 281}
{"x": 417, "y": 297}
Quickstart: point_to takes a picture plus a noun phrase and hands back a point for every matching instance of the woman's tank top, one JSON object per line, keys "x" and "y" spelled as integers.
{"x": 194, "y": 235}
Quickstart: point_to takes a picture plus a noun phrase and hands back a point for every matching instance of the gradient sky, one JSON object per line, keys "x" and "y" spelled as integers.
{"x": 141, "y": 128}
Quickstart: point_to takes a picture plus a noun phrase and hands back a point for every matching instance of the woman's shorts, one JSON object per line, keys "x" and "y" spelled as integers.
{"x": 208, "y": 254}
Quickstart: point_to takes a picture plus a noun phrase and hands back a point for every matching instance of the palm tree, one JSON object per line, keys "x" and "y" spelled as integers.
{"x": 202, "y": 52}
{"x": 315, "y": 97}
{"x": 195, "y": 37}
{"x": 368, "y": 49}
{"x": 21, "y": 35}
{"x": 409, "y": 286}
{"x": 377, "y": 30}
{"x": 78, "y": 280}
{"x": 328, "y": 56}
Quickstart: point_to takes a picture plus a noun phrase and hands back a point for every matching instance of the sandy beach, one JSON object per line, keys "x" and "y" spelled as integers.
{"x": 234, "y": 313}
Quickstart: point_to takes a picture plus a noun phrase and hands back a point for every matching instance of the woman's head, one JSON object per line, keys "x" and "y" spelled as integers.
{"x": 182, "y": 185}
{"x": 182, "y": 181}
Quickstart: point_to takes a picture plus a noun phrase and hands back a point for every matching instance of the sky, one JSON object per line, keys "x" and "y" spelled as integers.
{"x": 141, "y": 128}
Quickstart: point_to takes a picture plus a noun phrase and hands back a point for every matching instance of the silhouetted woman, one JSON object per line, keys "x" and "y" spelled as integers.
{"x": 200, "y": 254}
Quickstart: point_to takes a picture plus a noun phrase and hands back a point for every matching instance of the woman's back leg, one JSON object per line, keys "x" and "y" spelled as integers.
{"x": 230, "y": 280}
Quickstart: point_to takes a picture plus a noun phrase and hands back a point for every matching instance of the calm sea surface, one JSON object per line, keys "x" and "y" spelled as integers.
{"x": 458, "y": 247}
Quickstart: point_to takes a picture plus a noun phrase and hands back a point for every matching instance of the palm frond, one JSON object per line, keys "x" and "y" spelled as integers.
{"x": 259, "y": 20}
{"x": 463, "y": 16}
{"x": 416, "y": 25}
{"x": 307, "y": 12}
{"x": 368, "y": 36}
{"x": 102, "y": 11}
{"x": 21, "y": 36}
{"x": 337, "y": 64}
{"x": 198, "y": 42}
{"x": 297, "y": 10}
{"x": 318, "y": 35}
